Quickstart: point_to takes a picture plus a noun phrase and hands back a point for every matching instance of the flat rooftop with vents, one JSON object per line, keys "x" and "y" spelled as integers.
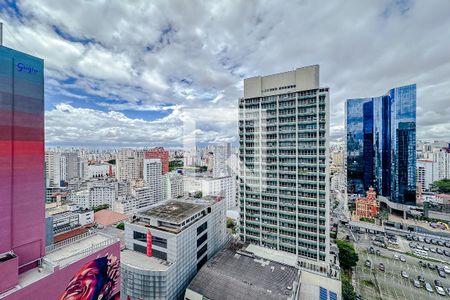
{"x": 175, "y": 215}
{"x": 242, "y": 275}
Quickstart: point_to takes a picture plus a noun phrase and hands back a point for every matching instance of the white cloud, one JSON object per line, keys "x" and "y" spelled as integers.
{"x": 193, "y": 55}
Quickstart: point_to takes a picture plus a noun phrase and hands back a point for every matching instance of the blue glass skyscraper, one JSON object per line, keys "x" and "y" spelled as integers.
{"x": 381, "y": 144}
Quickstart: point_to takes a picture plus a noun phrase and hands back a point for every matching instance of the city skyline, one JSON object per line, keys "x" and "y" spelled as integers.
{"x": 147, "y": 78}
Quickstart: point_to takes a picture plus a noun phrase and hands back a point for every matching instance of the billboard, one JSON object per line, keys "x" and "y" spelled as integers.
{"x": 91, "y": 278}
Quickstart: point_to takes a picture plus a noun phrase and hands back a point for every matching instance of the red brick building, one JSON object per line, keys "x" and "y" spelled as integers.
{"x": 367, "y": 207}
{"x": 160, "y": 153}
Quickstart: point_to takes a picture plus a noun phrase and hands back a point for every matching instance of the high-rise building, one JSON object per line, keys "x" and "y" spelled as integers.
{"x": 221, "y": 186}
{"x": 129, "y": 165}
{"x": 22, "y": 186}
{"x": 153, "y": 178}
{"x": 162, "y": 155}
{"x": 59, "y": 270}
{"x": 56, "y": 169}
{"x": 284, "y": 157}
{"x": 381, "y": 145}
{"x": 221, "y": 155}
{"x": 424, "y": 173}
{"x": 72, "y": 165}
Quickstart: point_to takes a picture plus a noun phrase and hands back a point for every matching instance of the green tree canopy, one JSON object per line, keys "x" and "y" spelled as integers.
{"x": 348, "y": 293}
{"x": 347, "y": 255}
{"x": 441, "y": 186}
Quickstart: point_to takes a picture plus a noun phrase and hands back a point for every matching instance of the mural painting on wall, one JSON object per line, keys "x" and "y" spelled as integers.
{"x": 98, "y": 279}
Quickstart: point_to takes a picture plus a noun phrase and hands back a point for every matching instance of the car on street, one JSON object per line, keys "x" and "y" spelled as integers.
{"x": 416, "y": 283}
{"x": 432, "y": 250}
{"x": 441, "y": 274}
{"x": 402, "y": 258}
{"x": 420, "y": 247}
{"x": 427, "y": 240}
{"x": 440, "y": 291}
{"x": 447, "y": 253}
{"x": 426, "y": 248}
{"x": 396, "y": 256}
{"x": 440, "y": 243}
{"x": 404, "y": 274}
{"x": 434, "y": 242}
{"x": 447, "y": 244}
{"x": 428, "y": 287}
{"x": 437, "y": 282}
{"x": 431, "y": 266}
{"x": 439, "y": 251}
{"x": 381, "y": 267}
{"x": 368, "y": 263}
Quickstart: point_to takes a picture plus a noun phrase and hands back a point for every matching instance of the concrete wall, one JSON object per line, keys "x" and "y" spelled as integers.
{"x": 306, "y": 78}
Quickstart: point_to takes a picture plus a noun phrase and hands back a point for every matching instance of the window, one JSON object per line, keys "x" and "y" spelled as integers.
{"x": 202, "y": 251}
{"x": 202, "y": 228}
{"x": 139, "y": 236}
{"x": 140, "y": 248}
{"x": 157, "y": 241}
{"x": 159, "y": 254}
{"x": 202, "y": 239}
{"x": 202, "y": 262}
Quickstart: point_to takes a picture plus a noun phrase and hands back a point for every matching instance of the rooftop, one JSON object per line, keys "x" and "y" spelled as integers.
{"x": 108, "y": 217}
{"x": 242, "y": 276}
{"x": 143, "y": 262}
{"x": 176, "y": 211}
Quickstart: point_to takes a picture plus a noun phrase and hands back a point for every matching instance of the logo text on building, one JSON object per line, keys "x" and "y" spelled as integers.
{"x": 21, "y": 67}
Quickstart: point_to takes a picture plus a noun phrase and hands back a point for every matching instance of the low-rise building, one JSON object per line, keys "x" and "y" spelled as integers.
{"x": 221, "y": 186}
{"x": 367, "y": 207}
{"x": 167, "y": 244}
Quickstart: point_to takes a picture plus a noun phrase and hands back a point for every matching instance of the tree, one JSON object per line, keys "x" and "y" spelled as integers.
{"x": 347, "y": 255}
{"x": 348, "y": 293}
{"x": 120, "y": 226}
{"x": 100, "y": 207}
{"x": 441, "y": 186}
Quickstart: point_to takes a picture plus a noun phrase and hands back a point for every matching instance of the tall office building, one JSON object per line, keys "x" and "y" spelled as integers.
{"x": 153, "y": 178}
{"x": 162, "y": 155}
{"x": 284, "y": 181}
{"x": 29, "y": 270}
{"x": 381, "y": 145}
{"x": 22, "y": 222}
{"x": 221, "y": 155}
{"x": 129, "y": 164}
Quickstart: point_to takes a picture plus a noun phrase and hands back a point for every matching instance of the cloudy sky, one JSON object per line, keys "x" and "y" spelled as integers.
{"x": 134, "y": 73}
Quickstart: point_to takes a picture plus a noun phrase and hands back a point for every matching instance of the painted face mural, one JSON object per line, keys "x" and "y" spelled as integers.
{"x": 94, "y": 281}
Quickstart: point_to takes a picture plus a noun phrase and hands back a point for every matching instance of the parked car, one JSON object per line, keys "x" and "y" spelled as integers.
{"x": 431, "y": 266}
{"x": 448, "y": 290}
{"x": 420, "y": 247}
{"x": 420, "y": 278}
{"x": 402, "y": 258}
{"x": 427, "y": 240}
{"x": 434, "y": 242}
{"x": 412, "y": 245}
{"x": 368, "y": 263}
{"x": 416, "y": 283}
{"x": 440, "y": 291}
{"x": 447, "y": 269}
{"x": 437, "y": 282}
{"x": 440, "y": 243}
{"x": 447, "y": 244}
{"x": 426, "y": 248}
{"x": 422, "y": 264}
{"x": 404, "y": 274}
{"x": 439, "y": 251}
{"x": 371, "y": 250}
{"x": 415, "y": 238}
{"x": 447, "y": 253}
{"x": 432, "y": 250}
{"x": 396, "y": 256}
{"x": 441, "y": 274}
{"x": 381, "y": 267}
{"x": 378, "y": 252}
{"x": 421, "y": 239}
{"x": 428, "y": 287}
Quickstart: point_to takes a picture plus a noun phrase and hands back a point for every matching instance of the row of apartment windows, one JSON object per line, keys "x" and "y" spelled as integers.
{"x": 157, "y": 241}
{"x": 155, "y": 253}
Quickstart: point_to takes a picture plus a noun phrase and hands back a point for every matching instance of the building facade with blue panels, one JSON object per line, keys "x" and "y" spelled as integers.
{"x": 381, "y": 144}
